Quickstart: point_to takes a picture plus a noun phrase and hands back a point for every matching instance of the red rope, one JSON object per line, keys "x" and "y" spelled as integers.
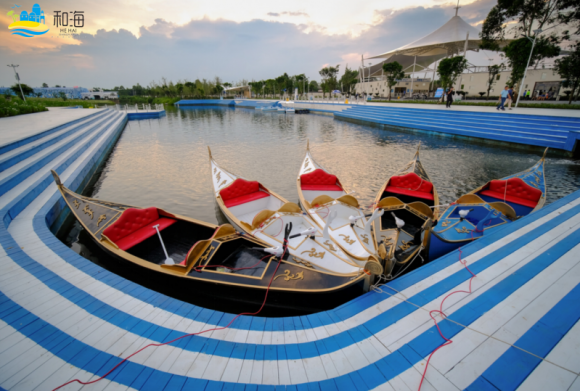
{"x": 183, "y": 336}
{"x": 440, "y": 311}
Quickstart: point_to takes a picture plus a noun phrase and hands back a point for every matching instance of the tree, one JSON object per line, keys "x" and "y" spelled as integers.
{"x": 329, "y": 81}
{"x": 27, "y": 90}
{"x": 313, "y": 87}
{"x": 62, "y": 95}
{"x": 518, "y": 52}
{"x": 56, "y": 86}
{"x": 348, "y": 79}
{"x": 569, "y": 69}
{"x": 393, "y": 72}
{"x": 449, "y": 70}
{"x": 492, "y": 72}
{"x": 522, "y": 19}
{"x": 44, "y": 85}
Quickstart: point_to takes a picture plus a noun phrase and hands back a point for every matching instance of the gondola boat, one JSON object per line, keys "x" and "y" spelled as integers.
{"x": 214, "y": 262}
{"x": 489, "y": 207}
{"x": 327, "y": 202}
{"x": 411, "y": 184}
{"x": 252, "y": 208}
{"x": 403, "y": 226}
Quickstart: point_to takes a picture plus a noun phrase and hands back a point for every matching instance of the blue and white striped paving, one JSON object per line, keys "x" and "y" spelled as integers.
{"x": 63, "y": 317}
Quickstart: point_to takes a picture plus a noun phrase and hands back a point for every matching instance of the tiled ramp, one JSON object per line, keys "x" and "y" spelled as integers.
{"x": 63, "y": 317}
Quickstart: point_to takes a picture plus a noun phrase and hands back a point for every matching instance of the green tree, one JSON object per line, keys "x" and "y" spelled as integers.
{"x": 56, "y": 86}
{"x": 393, "y": 72}
{"x": 524, "y": 19}
{"x": 313, "y": 87}
{"x": 569, "y": 69}
{"x": 329, "y": 81}
{"x": 449, "y": 70}
{"x": 492, "y": 72}
{"x": 44, "y": 85}
{"x": 62, "y": 95}
{"x": 348, "y": 79}
{"x": 27, "y": 90}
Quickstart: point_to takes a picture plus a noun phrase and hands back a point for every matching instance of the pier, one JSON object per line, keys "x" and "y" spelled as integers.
{"x": 63, "y": 317}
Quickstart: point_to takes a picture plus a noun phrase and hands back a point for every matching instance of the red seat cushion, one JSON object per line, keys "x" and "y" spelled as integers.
{"x": 246, "y": 198}
{"x": 411, "y": 184}
{"x": 134, "y": 226}
{"x": 319, "y": 180}
{"x": 518, "y": 192}
{"x": 242, "y": 191}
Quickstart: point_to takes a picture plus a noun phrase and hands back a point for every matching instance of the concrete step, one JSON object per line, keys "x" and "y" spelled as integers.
{"x": 19, "y": 172}
{"x": 472, "y": 125}
{"x": 9, "y": 158}
{"x": 505, "y": 122}
{"x": 537, "y": 140}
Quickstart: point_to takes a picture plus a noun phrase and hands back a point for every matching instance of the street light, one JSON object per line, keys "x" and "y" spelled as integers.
{"x": 17, "y": 79}
{"x": 536, "y": 33}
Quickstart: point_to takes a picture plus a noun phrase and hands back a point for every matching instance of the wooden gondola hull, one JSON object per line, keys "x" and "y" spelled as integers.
{"x": 232, "y": 298}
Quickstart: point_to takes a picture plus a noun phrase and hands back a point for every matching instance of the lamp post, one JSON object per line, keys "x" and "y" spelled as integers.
{"x": 536, "y": 33}
{"x": 17, "y": 79}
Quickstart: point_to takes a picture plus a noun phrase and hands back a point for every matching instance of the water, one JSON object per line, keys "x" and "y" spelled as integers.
{"x": 165, "y": 163}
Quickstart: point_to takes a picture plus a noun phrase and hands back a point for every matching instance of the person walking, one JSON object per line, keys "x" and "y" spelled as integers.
{"x": 503, "y": 97}
{"x": 510, "y": 98}
{"x": 450, "y": 94}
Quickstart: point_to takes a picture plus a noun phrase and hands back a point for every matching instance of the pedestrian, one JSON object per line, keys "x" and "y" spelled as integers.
{"x": 503, "y": 97}
{"x": 450, "y": 94}
{"x": 510, "y": 98}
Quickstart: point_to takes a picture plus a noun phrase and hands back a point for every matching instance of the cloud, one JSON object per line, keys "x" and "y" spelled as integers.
{"x": 205, "y": 48}
{"x": 288, "y": 13}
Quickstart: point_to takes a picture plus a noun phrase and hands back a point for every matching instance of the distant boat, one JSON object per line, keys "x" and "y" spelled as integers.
{"x": 485, "y": 209}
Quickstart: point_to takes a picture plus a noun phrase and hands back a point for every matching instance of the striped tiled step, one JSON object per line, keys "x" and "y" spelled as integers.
{"x": 63, "y": 317}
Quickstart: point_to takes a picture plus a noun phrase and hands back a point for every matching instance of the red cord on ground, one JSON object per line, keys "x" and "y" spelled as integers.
{"x": 440, "y": 311}
{"x": 183, "y": 336}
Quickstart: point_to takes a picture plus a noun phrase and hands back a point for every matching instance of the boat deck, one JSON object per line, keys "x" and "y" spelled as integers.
{"x": 63, "y": 317}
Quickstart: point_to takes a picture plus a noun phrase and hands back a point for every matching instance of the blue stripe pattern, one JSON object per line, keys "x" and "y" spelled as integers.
{"x": 138, "y": 376}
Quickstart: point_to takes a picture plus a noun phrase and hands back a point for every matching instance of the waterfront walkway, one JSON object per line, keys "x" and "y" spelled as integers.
{"x": 525, "y": 127}
{"x": 63, "y": 317}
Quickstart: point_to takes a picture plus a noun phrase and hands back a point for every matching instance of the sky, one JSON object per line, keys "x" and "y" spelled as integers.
{"x": 140, "y": 41}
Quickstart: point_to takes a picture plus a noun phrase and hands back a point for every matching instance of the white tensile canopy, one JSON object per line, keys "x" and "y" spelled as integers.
{"x": 454, "y": 37}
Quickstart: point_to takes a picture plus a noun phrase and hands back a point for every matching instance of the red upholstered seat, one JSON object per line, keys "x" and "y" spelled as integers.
{"x": 136, "y": 225}
{"x": 411, "y": 184}
{"x": 518, "y": 192}
{"x": 242, "y": 191}
{"x": 319, "y": 180}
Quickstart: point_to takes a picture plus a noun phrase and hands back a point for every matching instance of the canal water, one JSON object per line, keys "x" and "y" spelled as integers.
{"x": 164, "y": 163}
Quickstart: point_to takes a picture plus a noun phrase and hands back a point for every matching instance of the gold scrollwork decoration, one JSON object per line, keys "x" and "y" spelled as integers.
{"x": 463, "y": 230}
{"x": 347, "y": 239}
{"x": 365, "y": 238}
{"x": 76, "y": 203}
{"x": 386, "y": 240}
{"x": 405, "y": 245}
{"x": 88, "y": 211}
{"x": 206, "y": 254}
{"x": 287, "y": 276}
{"x": 313, "y": 254}
{"x": 306, "y": 163}
{"x": 214, "y": 170}
{"x": 301, "y": 262}
{"x": 445, "y": 223}
{"x": 218, "y": 176}
{"x": 101, "y": 218}
{"x": 330, "y": 246}
{"x": 223, "y": 183}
